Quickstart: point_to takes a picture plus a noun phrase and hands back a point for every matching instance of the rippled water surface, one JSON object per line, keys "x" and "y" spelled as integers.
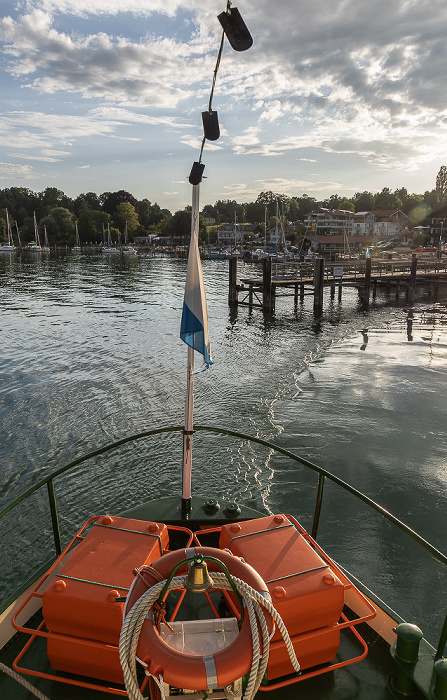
{"x": 90, "y": 353}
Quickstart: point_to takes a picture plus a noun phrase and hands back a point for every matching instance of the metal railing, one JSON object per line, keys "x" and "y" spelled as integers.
{"x": 323, "y": 476}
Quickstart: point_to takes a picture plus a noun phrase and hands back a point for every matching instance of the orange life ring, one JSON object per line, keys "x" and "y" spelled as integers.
{"x": 188, "y": 670}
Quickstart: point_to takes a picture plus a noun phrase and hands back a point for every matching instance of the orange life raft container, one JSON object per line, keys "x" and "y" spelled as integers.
{"x": 199, "y": 672}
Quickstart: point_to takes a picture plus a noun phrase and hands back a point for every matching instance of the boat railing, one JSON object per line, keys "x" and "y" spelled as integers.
{"x": 323, "y": 476}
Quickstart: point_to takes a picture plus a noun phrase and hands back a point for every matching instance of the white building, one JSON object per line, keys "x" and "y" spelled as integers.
{"x": 381, "y": 223}
{"x": 390, "y": 223}
{"x": 364, "y": 223}
{"x": 325, "y": 222}
{"x": 229, "y": 235}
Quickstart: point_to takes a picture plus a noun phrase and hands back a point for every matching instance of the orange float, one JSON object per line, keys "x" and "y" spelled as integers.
{"x": 200, "y": 672}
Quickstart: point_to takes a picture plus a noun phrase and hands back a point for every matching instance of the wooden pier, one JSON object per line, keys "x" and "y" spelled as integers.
{"x": 405, "y": 277}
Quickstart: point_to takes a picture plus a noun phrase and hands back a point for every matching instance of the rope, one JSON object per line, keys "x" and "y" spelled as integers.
{"x": 254, "y": 602}
{"x": 219, "y": 56}
{"x": 23, "y": 682}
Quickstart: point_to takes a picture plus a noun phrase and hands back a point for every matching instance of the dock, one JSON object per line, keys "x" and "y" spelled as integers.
{"x": 404, "y": 277}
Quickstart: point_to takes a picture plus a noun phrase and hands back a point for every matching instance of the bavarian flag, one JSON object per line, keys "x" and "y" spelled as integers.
{"x": 194, "y": 326}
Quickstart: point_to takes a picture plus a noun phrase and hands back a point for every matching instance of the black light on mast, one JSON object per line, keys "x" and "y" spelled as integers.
{"x": 195, "y": 176}
{"x": 235, "y": 29}
{"x": 210, "y": 123}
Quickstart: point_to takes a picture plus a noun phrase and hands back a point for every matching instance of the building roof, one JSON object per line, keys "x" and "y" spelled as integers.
{"x": 387, "y": 212}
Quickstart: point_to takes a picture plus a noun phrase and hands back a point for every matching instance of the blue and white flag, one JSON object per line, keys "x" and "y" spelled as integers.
{"x": 194, "y": 326}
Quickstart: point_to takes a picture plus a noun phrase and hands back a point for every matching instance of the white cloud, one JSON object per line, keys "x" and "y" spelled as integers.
{"x": 42, "y": 158}
{"x": 109, "y": 7}
{"x": 151, "y": 71}
{"x": 292, "y": 186}
{"x": 126, "y": 116}
{"x": 353, "y": 80}
{"x": 8, "y": 170}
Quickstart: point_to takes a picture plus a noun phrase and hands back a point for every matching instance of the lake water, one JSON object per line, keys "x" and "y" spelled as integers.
{"x": 90, "y": 353}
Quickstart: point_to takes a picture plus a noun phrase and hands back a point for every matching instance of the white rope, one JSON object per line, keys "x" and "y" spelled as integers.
{"x": 253, "y": 601}
{"x": 31, "y": 688}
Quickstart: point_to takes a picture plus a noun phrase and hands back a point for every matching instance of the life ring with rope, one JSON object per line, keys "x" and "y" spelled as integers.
{"x": 177, "y": 668}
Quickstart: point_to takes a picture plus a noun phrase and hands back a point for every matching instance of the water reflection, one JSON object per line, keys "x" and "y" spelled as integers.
{"x": 364, "y": 333}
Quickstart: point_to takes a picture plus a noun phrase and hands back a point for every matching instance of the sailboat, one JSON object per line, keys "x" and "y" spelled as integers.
{"x": 127, "y": 249}
{"x": 77, "y": 248}
{"x": 9, "y": 246}
{"x": 198, "y": 597}
{"x": 18, "y": 235}
{"x": 46, "y": 247}
{"x": 109, "y": 248}
{"x": 34, "y": 246}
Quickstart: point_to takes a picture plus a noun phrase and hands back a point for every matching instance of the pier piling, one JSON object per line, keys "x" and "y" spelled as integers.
{"x": 268, "y": 292}
{"x": 367, "y": 286}
{"x": 318, "y": 284}
{"x": 412, "y": 282}
{"x": 404, "y": 277}
{"x": 232, "y": 291}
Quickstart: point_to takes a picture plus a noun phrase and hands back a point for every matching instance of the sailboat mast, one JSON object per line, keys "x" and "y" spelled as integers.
{"x": 8, "y": 226}
{"x": 36, "y": 231}
{"x": 18, "y": 235}
{"x": 265, "y": 228}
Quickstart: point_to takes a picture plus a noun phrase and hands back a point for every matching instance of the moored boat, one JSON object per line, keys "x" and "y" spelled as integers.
{"x": 8, "y": 247}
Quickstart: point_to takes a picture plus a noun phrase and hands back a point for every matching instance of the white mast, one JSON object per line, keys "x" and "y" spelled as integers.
{"x": 189, "y": 403}
{"x": 265, "y": 227}
{"x": 18, "y": 235}
{"x": 8, "y": 226}
{"x": 36, "y": 231}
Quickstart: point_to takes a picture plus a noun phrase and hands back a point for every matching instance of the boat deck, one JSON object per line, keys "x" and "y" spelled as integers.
{"x": 366, "y": 680}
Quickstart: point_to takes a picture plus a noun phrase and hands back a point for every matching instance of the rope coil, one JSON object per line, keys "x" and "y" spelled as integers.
{"x": 254, "y": 603}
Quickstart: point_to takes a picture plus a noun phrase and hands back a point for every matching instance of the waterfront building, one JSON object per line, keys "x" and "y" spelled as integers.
{"x": 438, "y": 226}
{"x": 341, "y": 231}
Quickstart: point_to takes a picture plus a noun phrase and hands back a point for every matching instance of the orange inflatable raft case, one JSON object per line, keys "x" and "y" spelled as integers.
{"x": 80, "y": 607}
{"x": 305, "y": 591}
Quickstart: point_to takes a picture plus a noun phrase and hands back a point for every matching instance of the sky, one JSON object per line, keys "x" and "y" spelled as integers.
{"x": 334, "y": 97}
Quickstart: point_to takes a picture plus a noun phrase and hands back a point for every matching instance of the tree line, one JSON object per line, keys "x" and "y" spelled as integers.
{"x": 93, "y": 214}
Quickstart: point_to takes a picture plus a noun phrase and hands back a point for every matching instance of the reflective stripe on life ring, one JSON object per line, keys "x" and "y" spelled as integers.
{"x": 187, "y": 670}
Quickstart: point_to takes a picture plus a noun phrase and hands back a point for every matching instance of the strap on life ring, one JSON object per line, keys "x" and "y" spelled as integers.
{"x": 197, "y": 672}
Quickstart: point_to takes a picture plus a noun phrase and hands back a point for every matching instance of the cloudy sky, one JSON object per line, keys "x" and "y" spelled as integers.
{"x": 335, "y": 96}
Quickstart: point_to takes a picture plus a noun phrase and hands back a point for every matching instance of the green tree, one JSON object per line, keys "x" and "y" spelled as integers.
{"x": 333, "y": 202}
{"x": 254, "y": 212}
{"x": 179, "y": 225}
{"x": 125, "y": 214}
{"x": 59, "y": 225}
{"x": 51, "y": 198}
{"x": 431, "y": 199}
{"x": 441, "y": 185}
{"x": 111, "y": 200}
{"x": 209, "y": 211}
{"x": 89, "y": 200}
{"x": 387, "y": 200}
{"x": 346, "y": 205}
{"x": 293, "y": 209}
{"x": 150, "y": 215}
{"x": 305, "y": 205}
{"x": 91, "y": 224}
{"x": 363, "y": 201}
